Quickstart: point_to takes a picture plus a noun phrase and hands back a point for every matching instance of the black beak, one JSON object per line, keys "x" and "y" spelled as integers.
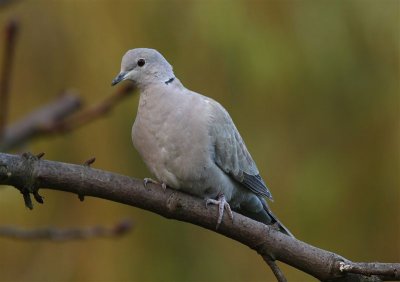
{"x": 119, "y": 78}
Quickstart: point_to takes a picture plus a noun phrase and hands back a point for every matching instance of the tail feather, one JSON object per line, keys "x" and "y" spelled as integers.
{"x": 275, "y": 220}
{"x": 266, "y": 216}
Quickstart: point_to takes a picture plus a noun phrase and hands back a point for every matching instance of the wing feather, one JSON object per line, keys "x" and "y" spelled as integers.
{"x": 231, "y": 154}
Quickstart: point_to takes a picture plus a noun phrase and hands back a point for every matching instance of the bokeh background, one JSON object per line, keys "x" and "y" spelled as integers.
{"x": 313, "y": 87}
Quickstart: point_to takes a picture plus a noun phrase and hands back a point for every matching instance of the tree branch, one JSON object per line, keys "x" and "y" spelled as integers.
{"x": 280, "y": 277}
{"x": 32, "y": 125}
{"x": 60, "y": 116}
{"x": 11, "y": 32}
{"x": 368, "y": 268}
{"x": 52, "y": 118}
{"x": 91, "y": 113}
{"x": 56, "y": 234}
{"x": 27, "y": 173}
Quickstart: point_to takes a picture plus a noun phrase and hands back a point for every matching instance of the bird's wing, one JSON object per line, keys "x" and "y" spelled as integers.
{"x": 230, "y": 152}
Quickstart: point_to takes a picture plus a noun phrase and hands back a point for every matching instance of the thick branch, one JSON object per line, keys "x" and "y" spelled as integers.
{"x": 368, "y": 268}
{"x": 27, "y": 173}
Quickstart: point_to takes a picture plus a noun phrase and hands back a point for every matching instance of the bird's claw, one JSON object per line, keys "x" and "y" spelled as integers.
{"x": 147, "y": 180}
{"x": 150, "y": 180}
{"x": 222, "y": 204}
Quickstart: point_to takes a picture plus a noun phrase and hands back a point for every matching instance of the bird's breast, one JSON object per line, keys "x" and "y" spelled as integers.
{"x": 172, "y": 140}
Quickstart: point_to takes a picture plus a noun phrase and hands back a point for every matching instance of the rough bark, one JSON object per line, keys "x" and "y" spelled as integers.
{"x": 28, "y": 173}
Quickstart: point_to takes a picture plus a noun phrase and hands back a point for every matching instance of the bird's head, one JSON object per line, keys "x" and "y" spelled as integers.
{"x": 144, "y": 66}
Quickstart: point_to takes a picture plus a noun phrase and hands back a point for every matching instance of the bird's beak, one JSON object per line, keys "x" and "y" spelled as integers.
{"x": 122, "y": 76}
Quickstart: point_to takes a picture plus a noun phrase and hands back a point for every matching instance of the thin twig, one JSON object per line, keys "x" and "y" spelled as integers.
{"x": 280, "y": 277}
{"x": 67, "y": 234}
{"x": 11, "y": 32}
{"x": 89, "y": 114}
{"x": 90, "y": 161}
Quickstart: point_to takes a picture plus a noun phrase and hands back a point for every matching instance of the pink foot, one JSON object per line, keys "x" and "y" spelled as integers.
{"x": 222, "y": 204}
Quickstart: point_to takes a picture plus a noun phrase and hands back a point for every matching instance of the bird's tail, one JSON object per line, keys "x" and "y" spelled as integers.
{"x": 274, "y": 220}
{"x": 266, "y": 216}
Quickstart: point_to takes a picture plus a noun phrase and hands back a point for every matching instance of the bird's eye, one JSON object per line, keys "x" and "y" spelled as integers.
{"x": 141, "y": 62}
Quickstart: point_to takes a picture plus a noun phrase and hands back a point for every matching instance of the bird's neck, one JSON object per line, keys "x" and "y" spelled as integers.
{"x": 156, "y": 82}
{"x": 156, "y": 92}
{"x": 160, "y": 85}
{"x": 159, "y": 100}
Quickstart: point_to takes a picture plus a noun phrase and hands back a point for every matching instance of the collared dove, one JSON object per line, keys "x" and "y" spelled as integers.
{"x": 190, "y": 143}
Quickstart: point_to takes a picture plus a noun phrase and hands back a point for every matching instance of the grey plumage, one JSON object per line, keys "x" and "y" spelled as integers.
{"x": 189, "y": 141}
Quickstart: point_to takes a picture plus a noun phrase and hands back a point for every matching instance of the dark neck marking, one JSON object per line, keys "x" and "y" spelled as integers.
{"x": 170, "y": 80}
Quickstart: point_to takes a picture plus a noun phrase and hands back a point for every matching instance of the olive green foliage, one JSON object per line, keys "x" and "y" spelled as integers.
{"x": 313, "y": 87}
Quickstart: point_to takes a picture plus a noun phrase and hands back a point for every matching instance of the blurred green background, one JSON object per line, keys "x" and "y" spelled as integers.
{"x": 313, "y": 87}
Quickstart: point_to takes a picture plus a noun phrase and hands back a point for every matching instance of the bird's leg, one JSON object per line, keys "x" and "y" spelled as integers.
{"x": 147, "y": 180}
{"x": 222, "y": 204}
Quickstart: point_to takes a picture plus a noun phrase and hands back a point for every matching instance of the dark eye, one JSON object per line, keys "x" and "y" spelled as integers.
{"x": 141, "y": 62}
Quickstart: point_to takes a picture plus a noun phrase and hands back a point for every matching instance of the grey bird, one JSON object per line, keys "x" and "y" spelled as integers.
{"x": 190, "y": 143}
